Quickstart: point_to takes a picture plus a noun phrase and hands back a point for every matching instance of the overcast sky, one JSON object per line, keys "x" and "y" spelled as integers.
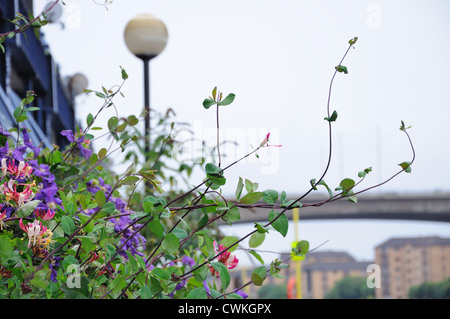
{"x": 278, "y": 58}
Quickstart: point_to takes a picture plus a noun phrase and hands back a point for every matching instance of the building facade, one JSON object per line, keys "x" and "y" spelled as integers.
{"x": 27, "y": 64}
{"x": 407, "y": 262}
{"x": 319, "y": 273}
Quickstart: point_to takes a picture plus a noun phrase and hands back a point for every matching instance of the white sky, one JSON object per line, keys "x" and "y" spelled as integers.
{"x": 278, "y": 58}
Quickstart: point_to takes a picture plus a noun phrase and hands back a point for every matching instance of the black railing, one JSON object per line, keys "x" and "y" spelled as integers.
{"x": 64, "y": 110}
{"x": 36, "y": 55}
{"x": 7, "y": 8}
{"x": 34, "y": 68}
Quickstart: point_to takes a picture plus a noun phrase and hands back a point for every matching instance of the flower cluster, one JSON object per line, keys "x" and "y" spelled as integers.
{"x": 225, "y": 257}
{"x": 23, "y": 180}
{"x": 131, "y": 240}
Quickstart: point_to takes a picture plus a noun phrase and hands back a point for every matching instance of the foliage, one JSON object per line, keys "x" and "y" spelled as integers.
{"x": 431, "y": 290}
{"x": 73, "y": 228}
{"x": 351, "y": 288}
{"x": 271, "y": 291}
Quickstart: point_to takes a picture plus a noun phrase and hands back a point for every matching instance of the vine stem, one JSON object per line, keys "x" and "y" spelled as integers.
{"x": 218, "y": 138}
{"x": 26, "y": 26}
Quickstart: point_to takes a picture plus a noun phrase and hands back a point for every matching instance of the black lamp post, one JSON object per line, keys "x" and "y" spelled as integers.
{"x": 146, "y": 37}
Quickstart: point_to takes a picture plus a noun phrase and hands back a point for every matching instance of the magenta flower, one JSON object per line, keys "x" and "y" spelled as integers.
{"x": 226, "y": 258}
{"x": 43, "y": 213}
{"x": 18, "y": 170}
{"x": 265, "y": 142}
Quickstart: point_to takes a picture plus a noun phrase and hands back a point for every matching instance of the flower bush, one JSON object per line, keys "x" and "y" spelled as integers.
{"x": 72, "y": 228}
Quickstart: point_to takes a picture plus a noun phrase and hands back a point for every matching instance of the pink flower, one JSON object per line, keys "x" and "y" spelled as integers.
{"x": 226, "y": 258}
{"x": 43, "y": 214}
{"x": 2, "y": 217}
{"x": 33, "y": 230}
{"x": 21, "y": 170}
{"x": 10, "y": 191}
{"x": 265, "y": 142}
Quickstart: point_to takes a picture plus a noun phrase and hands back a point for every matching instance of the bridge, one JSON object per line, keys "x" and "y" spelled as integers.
{"x": 399, "y": 206}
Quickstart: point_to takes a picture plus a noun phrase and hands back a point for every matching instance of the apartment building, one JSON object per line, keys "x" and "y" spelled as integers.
{"x": 406, "y": 262}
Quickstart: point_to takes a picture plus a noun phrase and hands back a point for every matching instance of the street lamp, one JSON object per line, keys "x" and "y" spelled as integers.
{"x": 146, "y": 37}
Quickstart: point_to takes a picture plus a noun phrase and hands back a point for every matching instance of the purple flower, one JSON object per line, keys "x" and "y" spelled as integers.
{"x": 54, "y": 264}
{"x": 16, "y": 153}
{"x": 48, "y": 197}
{"x": 93, "y": 186}
{"x": 179, "y": 286}
{"x": 131, "y": 238}
{"x": 41, "y": 170}
{"x": 3, "y": 132}
{"x": 69, "y": 135}
{"x": 205, "y": 285}
{"x": 82, "y": 143}
{"x": 188, "y": 261}
{"x": 26, "y": 139}
{"x": 241, "y": 293}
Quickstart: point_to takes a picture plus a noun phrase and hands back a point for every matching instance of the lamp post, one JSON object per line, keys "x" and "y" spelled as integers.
{"x": 146, "y": 37}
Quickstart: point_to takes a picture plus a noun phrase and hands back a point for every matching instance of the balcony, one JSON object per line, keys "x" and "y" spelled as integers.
{"x": 28, "y": 65}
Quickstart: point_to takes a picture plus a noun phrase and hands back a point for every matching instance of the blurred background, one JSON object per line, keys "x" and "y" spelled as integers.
{"x": 278, "y": 57}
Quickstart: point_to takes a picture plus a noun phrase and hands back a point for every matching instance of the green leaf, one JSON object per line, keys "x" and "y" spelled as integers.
{"x": 156, "y": 228}
{"x": 406, "y": 166}
{"x": 197, "y": 293}
{"x": 228, "y": 100}
{"x": 239, "y": 188}
{"x": 251, "y": 198}
{"x": 145, "y": 292}
{"x": 260, "y": 228}
{"x": 257, "y": 256}
{"x": 353, "y": 40}
{"x": 322, "y": 182}
{"x": 251, "y": 187}
{"x": 403, "y": 127}
{"x": 161, "y": 273}
{"x": 89, "y": 119}
{"x": 124, "y": 74}
{"x": 207, "y": 103}
{"x": 303, "y": 247}
{"x": 90, "y": 226}
{"x": 256, "y": 239}
{"x": 223, "y": 273}
{"x": 281, "y": 224}
{"x": 352, "y": 199}
{"x": 213, "y": 170}
{"x": 68, "y": 225}
{"x": 39, "y": 279}
{"x": 26, "y": 209}
{"x": 332, "y": 118}
{"x": 132, "y": 120}
{"x": 270, "y": 196}
{"x": 259, "y": 275}
{"x": 112, "y": 123}
{"x": 341, "y": 69}
{"x": 347, "y": 184}
{"x": 6, "y": 248}
{"x": 232, "y": 215}
{"x": 228, "y": 241}
{"x": 100, "y": 198}
{"x": 170, "y": 244}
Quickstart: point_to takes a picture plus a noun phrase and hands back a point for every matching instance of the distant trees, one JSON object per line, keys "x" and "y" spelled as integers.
{"x": 431, "y": 290}
{"x": 271, "y": 291}
{"x": 351, "y": 288}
